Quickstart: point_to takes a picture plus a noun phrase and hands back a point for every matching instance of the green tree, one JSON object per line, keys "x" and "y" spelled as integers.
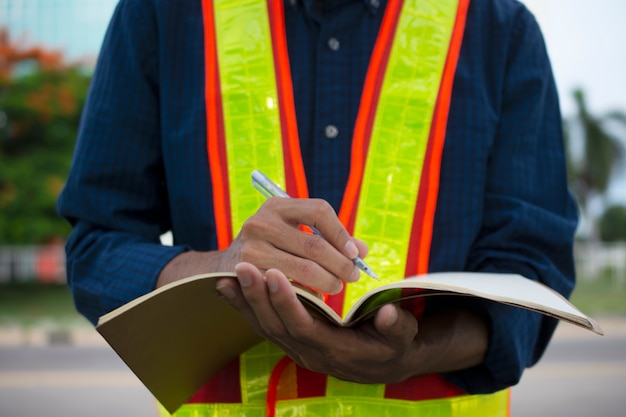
{"x": 41, "y": 98}
{"x": 602, "y": 152}
{"x": 613, "y": 224}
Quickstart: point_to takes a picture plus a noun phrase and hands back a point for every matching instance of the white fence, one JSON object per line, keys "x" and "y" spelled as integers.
{"x": 47, "y": 263}
{"x": 32, "y": 263}
{"x": 595, "y": 260}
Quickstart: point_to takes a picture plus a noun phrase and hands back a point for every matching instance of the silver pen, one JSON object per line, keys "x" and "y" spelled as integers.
{"x": 269, "y": 189}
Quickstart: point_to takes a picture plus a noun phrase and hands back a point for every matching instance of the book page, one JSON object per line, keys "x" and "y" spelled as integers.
{"x": 511, "y": 289}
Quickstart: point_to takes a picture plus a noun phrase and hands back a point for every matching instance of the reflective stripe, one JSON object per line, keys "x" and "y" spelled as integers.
{"x": 338, "y": 388}
{"x": 250, "y": 102}
{"x": 422, "y": 230}
{"x": 251, "y": 120}
{"x": 493, "y": 405}
{"x": 256, "y": 365}
{"x": 400, "y": 134}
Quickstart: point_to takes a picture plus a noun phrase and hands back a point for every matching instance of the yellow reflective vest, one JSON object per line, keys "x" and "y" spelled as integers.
{"x": 396, "y": 151}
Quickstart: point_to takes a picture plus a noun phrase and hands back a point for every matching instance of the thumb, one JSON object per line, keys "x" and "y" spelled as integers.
{"x": 395, "y": 324}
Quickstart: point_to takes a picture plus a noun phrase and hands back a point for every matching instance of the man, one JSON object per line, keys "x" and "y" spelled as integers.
{"x": 433, "y": 130}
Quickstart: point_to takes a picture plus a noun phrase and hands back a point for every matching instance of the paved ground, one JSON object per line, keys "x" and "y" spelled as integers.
{"x": 82, "y": 335}
{"x": 55, "y": 373}
{"x": 580, "y": 375}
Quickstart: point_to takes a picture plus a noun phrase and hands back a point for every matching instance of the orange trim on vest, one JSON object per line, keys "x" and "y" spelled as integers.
{"x": 277, "y": 382}
{"x": 508, "y": 402}
{"x": 295, "y": 177}
{"x": 367, "y": 112}
{"x": 216, "y": 146}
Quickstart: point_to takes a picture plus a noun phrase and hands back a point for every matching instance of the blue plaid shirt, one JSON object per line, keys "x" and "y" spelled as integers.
{"x": 141, "y": 165}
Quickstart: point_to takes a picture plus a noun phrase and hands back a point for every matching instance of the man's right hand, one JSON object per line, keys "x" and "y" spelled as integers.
{"x": 272, "y": 238}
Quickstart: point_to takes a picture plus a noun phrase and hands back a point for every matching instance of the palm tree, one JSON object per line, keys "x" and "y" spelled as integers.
{"x": 602, "y": 153}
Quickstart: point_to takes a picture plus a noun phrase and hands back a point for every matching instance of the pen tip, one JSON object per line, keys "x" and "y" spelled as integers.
{"x": 372, "y": 274}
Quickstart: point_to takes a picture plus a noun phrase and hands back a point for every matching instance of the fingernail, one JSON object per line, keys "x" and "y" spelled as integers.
{"x": 393, "y": 317}
{"x": 245, "y": 280}
{"x": 356, "y": 275}
{"x": 225, "y": 290}
{"x": 351, "y": 250}
{"x": 272, "y": 282}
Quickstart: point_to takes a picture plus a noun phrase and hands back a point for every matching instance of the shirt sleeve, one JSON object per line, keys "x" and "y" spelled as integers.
{"x": 529, "y": 216}
{"x": 115, "y": 196}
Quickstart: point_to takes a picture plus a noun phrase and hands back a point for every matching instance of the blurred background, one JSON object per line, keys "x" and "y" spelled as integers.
{"x": 48, "y": 50}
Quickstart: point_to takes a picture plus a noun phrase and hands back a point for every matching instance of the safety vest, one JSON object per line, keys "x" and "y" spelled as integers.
{"x": 389, "y": 202}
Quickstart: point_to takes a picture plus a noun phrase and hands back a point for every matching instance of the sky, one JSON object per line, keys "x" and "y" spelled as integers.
{"x": 586, "y": 41}
{"x": 76, "y": 27}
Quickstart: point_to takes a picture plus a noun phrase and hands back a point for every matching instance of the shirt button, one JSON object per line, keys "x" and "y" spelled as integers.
{"x": 333, "y": 44}
{"x": 331, "y": 131}
{"x": 375, "y": 3}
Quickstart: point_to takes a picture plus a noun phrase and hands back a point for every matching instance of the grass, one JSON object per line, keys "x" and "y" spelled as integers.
{"x": 602, "y": 296}
{"x": 32, "y": 303}
{"x": 28, "y": 304}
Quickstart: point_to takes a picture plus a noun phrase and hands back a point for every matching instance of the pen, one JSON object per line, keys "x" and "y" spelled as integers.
{"x": 269, "y": 189}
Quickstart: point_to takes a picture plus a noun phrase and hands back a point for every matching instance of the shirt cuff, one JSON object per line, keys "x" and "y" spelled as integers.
{"x": 517, "y": 338}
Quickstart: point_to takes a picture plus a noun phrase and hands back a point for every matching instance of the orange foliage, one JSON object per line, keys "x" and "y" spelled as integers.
{"x": 50, "y": 100}
{"x": 12, "y": 54}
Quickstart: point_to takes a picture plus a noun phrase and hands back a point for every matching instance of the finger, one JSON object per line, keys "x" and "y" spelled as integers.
{"x": 309, "y": 246}
{"x": 228, "y": 288}
{"x": 335, "y": 249}
{"x": 315, "y": 273}
{"x": 270, "y": 321}
{"x": 255, "y": 291}
{"x": 319, "y": 214}
{"x": 286, "y": 303}
{"x": 397, "y": 326}
{"x": 305, "y": 271}
{"x": 309, "y": 338}
{"x": 231, "y": 293}
{"x": 363, "y": 249}
{"x": 271, "y": 239}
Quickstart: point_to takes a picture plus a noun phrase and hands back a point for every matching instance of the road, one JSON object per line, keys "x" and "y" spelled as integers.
{"x": 581, "y": 375}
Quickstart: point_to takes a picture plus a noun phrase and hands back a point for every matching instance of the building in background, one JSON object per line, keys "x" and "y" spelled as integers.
{"x": 74, "y": 27}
